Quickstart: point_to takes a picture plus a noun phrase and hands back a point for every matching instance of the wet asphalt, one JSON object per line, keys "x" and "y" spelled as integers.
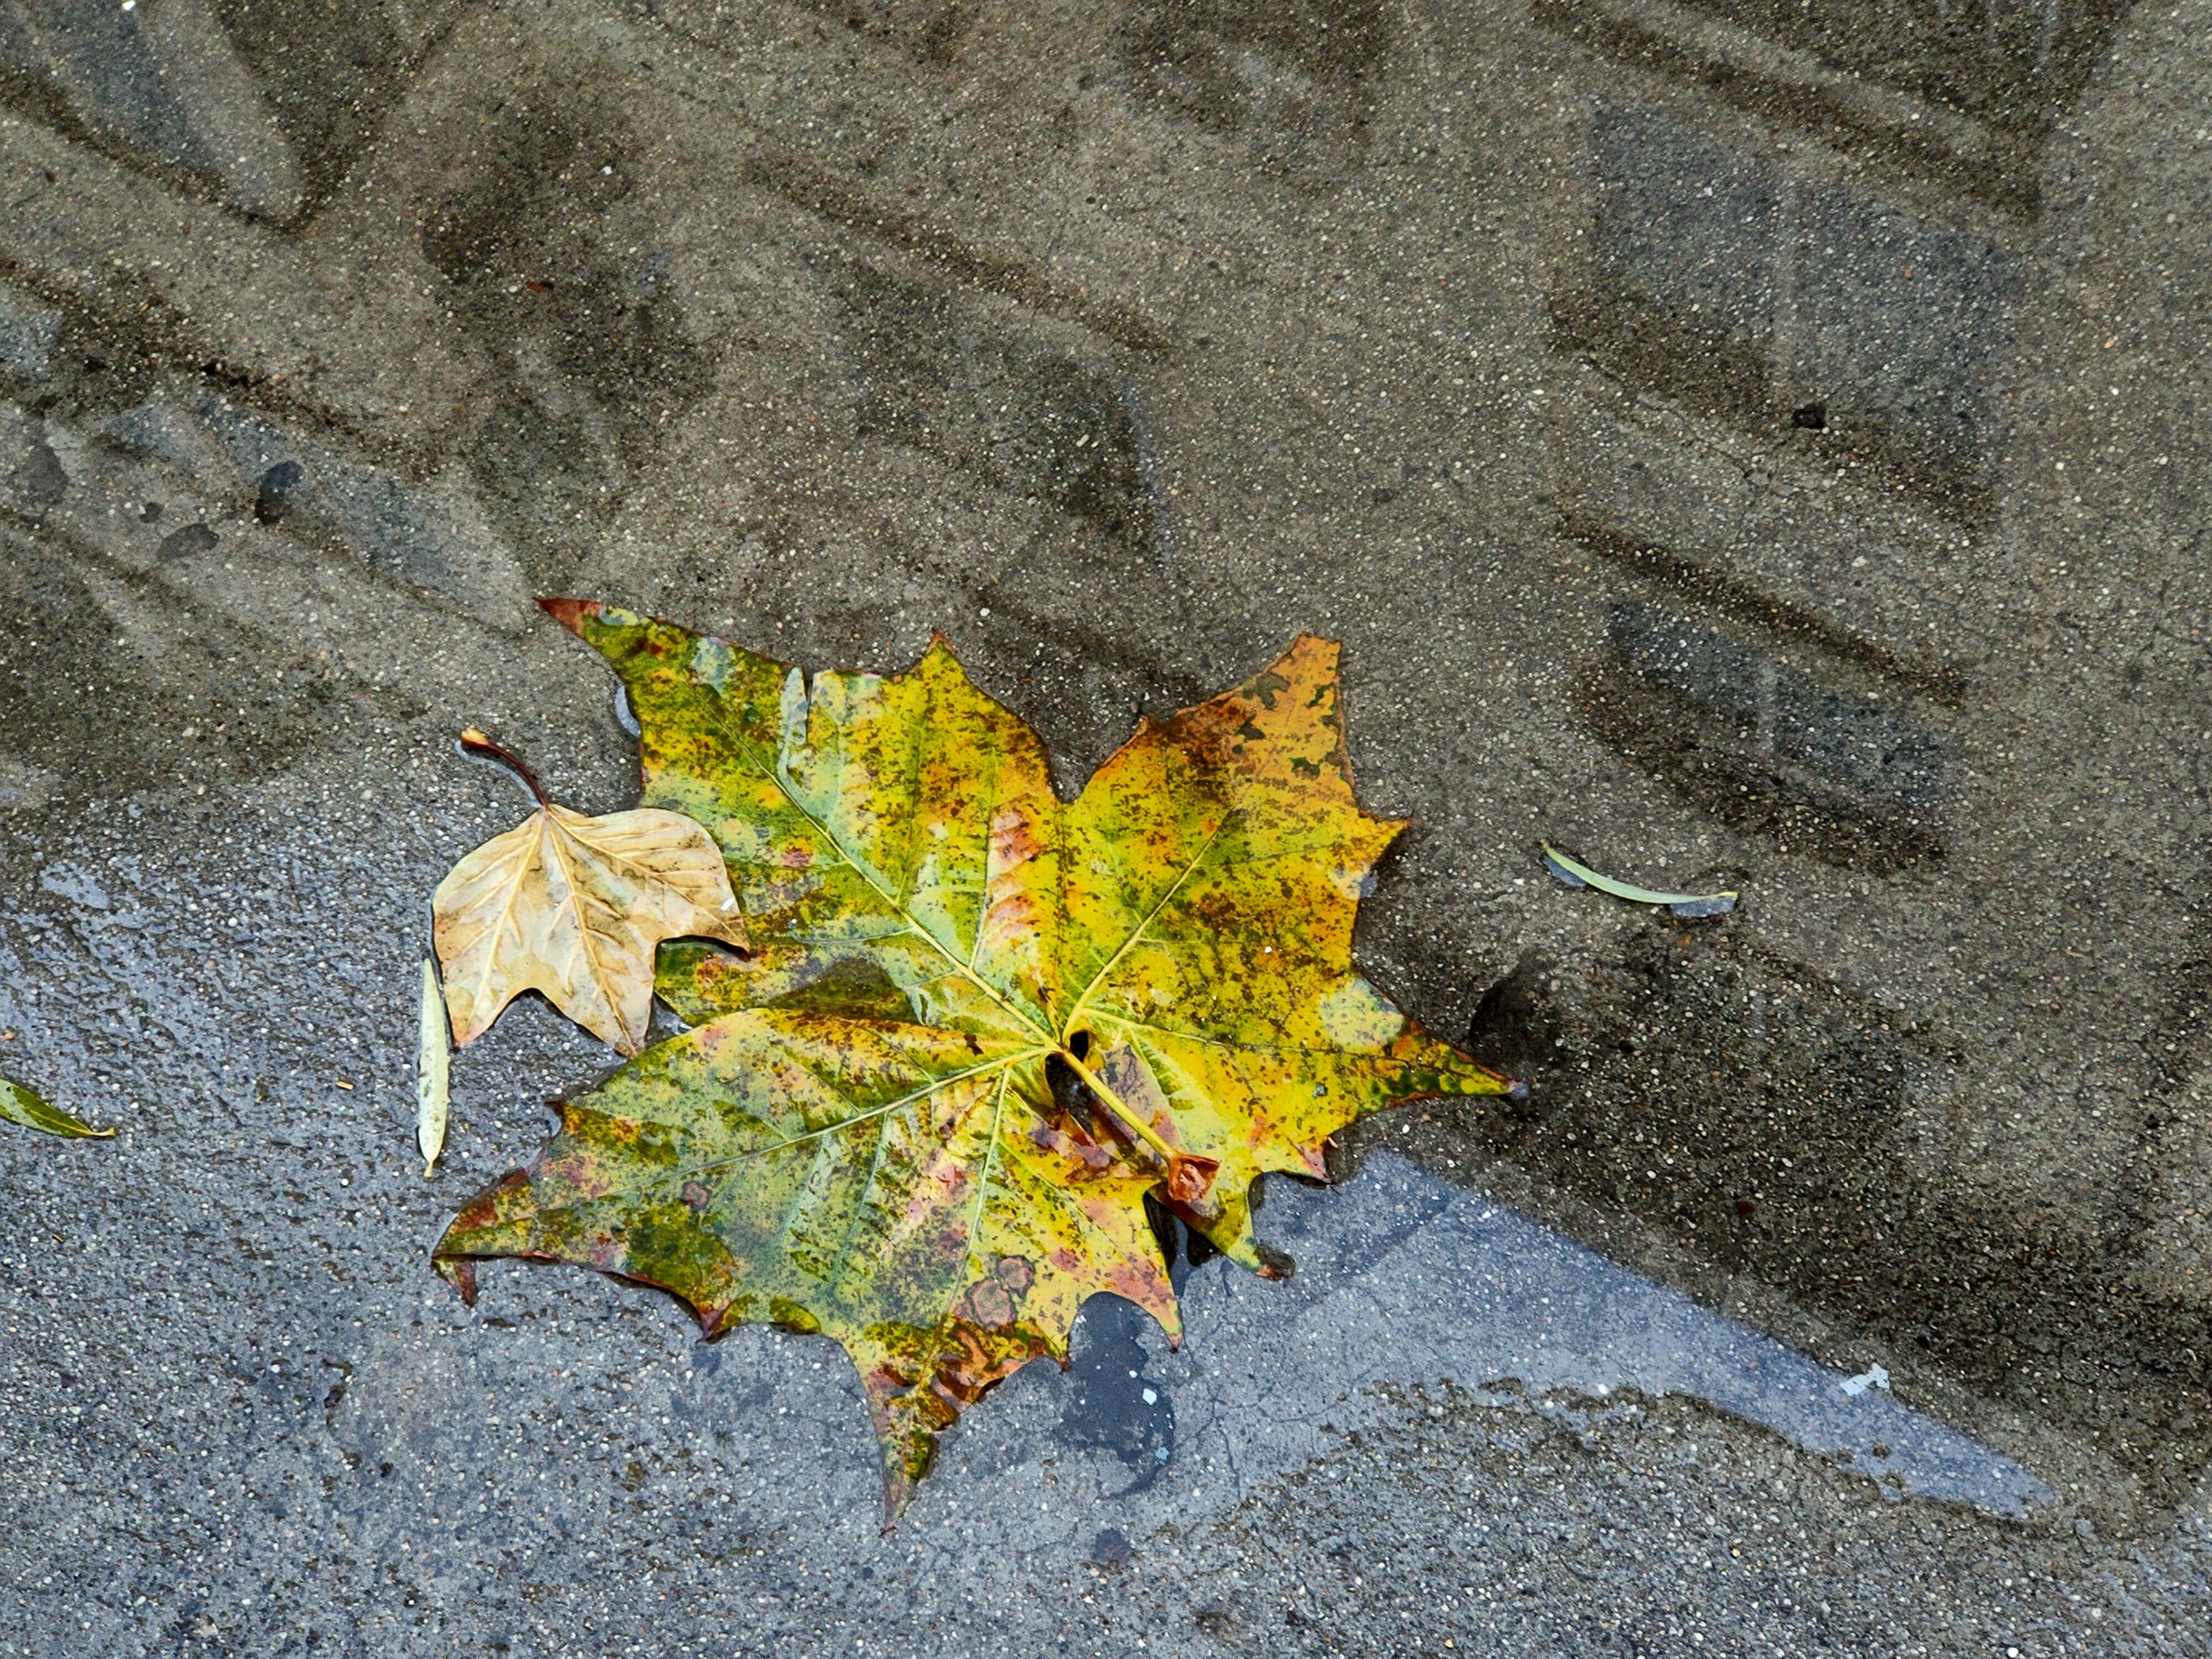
{"x": 1745, "y": 444}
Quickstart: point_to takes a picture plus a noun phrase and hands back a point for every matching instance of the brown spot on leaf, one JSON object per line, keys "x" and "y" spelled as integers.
{"x": 570, "y": 613}
{"x": 1189, "y": 1175}
{"x": 987, "y": 1304}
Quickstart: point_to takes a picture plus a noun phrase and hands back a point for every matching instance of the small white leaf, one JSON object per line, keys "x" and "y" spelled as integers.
{"x": 575, "y": 907}
{"x": 431, "y": 1066}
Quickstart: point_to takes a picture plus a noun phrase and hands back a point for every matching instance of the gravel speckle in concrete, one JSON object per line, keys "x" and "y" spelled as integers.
{"x": 1747, "y": 445}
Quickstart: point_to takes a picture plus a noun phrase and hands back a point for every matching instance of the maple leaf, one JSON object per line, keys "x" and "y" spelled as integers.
{"x": 576, "y": 907}
{"x": 860, "y": 1135}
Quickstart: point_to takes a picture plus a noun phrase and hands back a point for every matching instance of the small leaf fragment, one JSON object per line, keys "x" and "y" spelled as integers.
{"x": 20, "y": 1105}
{"x": 575, "y": 907}
{"x": 1689, "y": 906}
{"x": 432, "y": 1066}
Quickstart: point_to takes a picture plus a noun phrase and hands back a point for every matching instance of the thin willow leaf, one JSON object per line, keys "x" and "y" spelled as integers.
{"x": 1686, "y": 905}
{"x": 18, "y": 1104}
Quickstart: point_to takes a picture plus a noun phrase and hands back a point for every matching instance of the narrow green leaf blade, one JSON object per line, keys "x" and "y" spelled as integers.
{"x": 433, "y": 1063}
{"x": 19, "y": 1105}
{"x": 1686, "y": 905}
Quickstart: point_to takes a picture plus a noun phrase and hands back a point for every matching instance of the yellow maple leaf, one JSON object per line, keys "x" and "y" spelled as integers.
{"x": 861, "y": 1136}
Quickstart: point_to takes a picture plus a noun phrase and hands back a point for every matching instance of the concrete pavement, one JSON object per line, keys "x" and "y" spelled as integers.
{"x": 1742, "y": 443}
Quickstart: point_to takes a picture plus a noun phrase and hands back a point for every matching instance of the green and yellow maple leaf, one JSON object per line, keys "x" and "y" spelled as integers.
{"x": 860, "y": 1136}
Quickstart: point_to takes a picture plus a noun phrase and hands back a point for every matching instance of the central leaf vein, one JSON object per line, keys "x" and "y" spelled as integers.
{"x": 1152, "y": 915}
{"x": 922, "y": 1093}
{"x": 852, "y": 861}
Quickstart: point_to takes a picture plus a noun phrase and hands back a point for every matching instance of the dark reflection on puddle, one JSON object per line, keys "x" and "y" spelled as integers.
{"x": 1781, "y": 1130}
{"x": 1113, "y": 1406}
{"x": 1404, "y": 1276}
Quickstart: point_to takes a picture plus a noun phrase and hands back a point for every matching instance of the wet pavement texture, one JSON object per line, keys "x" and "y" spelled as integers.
{"x": 1746, "y": 443}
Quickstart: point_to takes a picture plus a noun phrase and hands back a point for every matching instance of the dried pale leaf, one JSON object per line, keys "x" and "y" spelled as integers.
{"x": 575, "y": 907}
{"x": 859, "y": 1136}
{"x": 1688, "y": 905}
{"x": 18, "y": 1104}
{"x": 433, "y": 1066}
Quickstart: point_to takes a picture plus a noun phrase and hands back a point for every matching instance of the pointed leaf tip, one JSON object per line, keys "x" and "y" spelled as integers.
{"x": 570, "y": 613}
{"x": 460, "y": 1273}
{"x": 20, "y": 1105}
{"x": 432, "y": 1070}
{"x": 1318, "y": 649}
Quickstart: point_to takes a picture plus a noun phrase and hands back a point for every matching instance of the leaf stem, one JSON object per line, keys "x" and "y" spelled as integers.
{"x": 1124, "y": 1114}
{"x": 477, "y": 743}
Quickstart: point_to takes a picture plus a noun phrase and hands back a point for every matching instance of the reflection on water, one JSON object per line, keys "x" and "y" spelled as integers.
{"x": 1404, "y": 1278}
